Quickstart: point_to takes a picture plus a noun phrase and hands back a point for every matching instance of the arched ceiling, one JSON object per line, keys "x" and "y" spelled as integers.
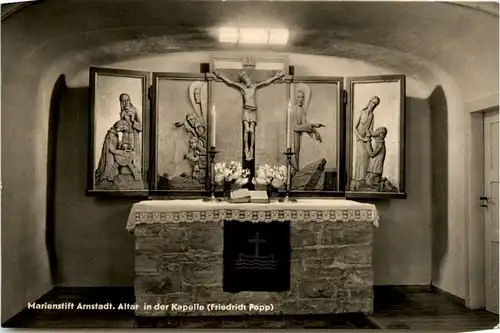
{"x": 461, "y": 38}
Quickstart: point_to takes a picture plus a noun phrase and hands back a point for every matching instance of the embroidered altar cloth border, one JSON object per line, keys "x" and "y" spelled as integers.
{"x": 304, "y": 210}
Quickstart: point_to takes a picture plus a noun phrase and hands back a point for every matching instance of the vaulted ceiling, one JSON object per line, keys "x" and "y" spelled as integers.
{"x": 460, "y": 38}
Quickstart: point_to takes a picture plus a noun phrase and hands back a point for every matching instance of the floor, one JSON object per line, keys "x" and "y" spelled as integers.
{"x": 395, "y": 308}
{"x": 420, "y": 309}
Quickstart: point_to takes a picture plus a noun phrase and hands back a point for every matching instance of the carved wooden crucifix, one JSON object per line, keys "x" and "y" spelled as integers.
{"x": 248, "y": 90}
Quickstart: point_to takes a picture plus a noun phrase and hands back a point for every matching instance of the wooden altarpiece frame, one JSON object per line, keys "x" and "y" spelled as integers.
{"x": 323, "y": 107}
{"x": 171, "y": 101}
{"x": 110, "y": 123}
{"x": 180, "y": 118}
{"x": 381, "y": 101}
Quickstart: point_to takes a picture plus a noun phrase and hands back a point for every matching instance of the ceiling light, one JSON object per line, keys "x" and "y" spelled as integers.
{"x": 228, "y": 35}
{"x": 278, "y": 36}
{"x": 254, "y": 36}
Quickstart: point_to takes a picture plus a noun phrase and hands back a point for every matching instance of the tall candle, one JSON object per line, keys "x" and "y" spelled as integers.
{"x": 213, "y": 117}
{"x": 289, "y": 124}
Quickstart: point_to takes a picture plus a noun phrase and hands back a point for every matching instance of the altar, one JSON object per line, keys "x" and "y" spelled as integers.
{"x": 179, "y": 247}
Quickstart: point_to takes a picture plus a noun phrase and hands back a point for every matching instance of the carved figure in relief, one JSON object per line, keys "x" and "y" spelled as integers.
{"x": 363, "y": 130}
{"x": 116, "y": 168}
{"x": 128, "y": 113}
{"x": 193, "y": 156}
{"x": 377, "y": 157}
{"x": 197, "y": 101}
{"x": 189, "y": 124}
{"x": 196, "y": 154}
{"x": 194, "y": 126}
{"x": 374, "y": 179}
{"x": 370, "y": 153}
{"x": 248, "y": 91}
{"x": 299, "y": 120}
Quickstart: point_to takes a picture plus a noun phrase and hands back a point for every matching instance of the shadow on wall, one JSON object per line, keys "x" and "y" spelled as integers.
{"x": 91, "y": 244}
{"x": 402, "y": 242}
{"x": 54, "y": 113}
{"x": 439, "y": 166}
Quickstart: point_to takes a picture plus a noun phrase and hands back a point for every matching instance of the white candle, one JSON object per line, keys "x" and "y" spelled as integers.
{"x": 213, "y": 117}
{"x": 289, "y": 124}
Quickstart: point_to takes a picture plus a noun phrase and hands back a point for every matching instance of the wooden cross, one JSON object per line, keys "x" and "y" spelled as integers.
{"x": 256, "y": 240}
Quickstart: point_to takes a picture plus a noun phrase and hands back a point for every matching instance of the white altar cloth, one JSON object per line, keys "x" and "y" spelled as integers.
{"x": 304, "y": 210}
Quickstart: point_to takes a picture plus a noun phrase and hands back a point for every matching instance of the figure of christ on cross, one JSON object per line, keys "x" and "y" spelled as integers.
{"x": 248, "y": 91}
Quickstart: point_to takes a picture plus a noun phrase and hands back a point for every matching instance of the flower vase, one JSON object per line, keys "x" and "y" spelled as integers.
{"x": 227, "y": 190}
{"x": 272, "y": 192}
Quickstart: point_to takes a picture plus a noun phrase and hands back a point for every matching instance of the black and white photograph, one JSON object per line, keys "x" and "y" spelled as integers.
{"x": 241, "y": 165}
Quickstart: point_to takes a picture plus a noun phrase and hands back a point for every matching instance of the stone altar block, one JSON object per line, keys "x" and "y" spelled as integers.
{"x": 178, "y": 260}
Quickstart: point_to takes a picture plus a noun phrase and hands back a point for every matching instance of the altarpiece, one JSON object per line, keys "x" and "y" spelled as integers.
{"x": 151, "y": 133}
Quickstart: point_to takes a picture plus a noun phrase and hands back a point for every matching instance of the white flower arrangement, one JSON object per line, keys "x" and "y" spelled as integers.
{"x": 275, "y": 176}
{"x": 231, "y": 173}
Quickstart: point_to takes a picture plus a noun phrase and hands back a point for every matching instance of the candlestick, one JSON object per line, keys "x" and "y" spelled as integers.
{"x": 212, "y": 152}
{"x": 213, "y": 117}
{"x": 289, "y": 124}
{"x": 287, "y": 197}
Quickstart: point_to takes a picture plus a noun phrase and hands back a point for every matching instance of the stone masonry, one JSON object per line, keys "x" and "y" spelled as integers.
{"x": 181, "y": 263}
